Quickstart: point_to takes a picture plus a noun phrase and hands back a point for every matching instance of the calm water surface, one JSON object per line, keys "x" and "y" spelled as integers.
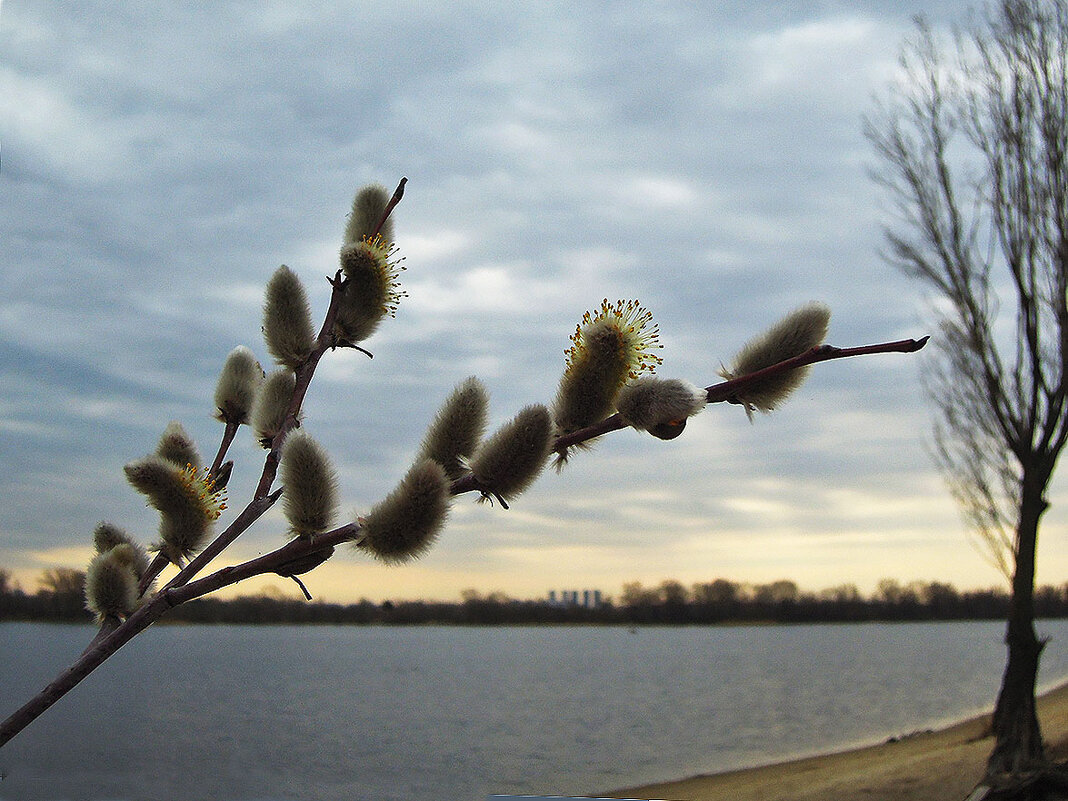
{"x": 237, "y": 713}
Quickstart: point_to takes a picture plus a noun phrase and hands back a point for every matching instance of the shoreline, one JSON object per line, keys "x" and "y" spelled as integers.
{"x": 934, "y": 765}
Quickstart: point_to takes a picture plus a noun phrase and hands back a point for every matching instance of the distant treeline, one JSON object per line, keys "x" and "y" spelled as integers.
{"x": 60, "y": 598}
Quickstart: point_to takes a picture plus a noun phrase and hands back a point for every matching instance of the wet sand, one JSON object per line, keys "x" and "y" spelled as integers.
{"x": 943, "y": 765}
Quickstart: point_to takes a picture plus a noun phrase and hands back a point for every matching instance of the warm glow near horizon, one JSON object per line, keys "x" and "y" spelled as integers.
{"x": 837, "y": 561}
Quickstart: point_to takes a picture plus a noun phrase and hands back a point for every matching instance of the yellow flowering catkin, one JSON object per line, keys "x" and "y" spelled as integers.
{"x": 608, "y": 347}
{"x": 372, "y": 288}
{"x": 186, "y": 499}
{"x": 371, "y": 268}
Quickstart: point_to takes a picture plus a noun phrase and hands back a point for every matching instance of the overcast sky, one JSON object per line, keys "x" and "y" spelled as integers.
{"x": 159, "y": 161}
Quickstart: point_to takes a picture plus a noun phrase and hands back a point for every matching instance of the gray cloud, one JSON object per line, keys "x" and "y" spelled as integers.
{"x": 159, "y": 163}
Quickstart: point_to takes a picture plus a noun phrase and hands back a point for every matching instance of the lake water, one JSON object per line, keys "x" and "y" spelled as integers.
{"x": 242, "y": 713}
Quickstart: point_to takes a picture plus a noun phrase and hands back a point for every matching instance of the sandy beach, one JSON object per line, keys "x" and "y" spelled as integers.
{"x": 942, "y": 765}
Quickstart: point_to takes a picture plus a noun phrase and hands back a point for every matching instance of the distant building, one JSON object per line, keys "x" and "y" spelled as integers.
{"x": 587, "y": 599}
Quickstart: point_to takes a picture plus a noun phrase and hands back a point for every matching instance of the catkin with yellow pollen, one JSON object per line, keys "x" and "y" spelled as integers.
{"x": 187, "y": 499}
{"x": 608, "y": 348}
{"x": 372, "y": 287}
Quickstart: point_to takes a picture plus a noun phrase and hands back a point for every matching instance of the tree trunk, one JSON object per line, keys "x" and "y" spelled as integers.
{"x": 1018, "y": 743}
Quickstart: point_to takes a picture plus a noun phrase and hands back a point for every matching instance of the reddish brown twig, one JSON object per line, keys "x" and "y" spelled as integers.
{"x": 730, "y": 390}
{"x": 718, "y": 393}
{"x": 398, "y": 193}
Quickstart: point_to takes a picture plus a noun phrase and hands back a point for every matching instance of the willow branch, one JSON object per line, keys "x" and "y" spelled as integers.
{"x": 729, "y": 391}
{"x": 268, "y": 563}
{"x": 159, "y": 561}
{"x": 398, "y": 193}
{"x": 726, "y": 391}
{"x": 227, "y": 439}
{"x": 184, "y": 588}
{"x": 304, "y": 374}
{"x": 111, "y": 638}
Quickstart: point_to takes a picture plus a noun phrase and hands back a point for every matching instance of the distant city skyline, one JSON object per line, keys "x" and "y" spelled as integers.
{"x": 160, "y": 162}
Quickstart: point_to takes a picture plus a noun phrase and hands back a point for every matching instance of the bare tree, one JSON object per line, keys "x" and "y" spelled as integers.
{"x": 63, "y": 581}
{"x": 972, "y": 151}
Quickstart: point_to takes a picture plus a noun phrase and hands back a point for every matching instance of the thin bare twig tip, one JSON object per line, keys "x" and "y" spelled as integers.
{"x": 303, "y": 589}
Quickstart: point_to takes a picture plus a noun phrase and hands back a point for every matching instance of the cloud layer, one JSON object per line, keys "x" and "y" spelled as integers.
{"x": 160, "y": 162}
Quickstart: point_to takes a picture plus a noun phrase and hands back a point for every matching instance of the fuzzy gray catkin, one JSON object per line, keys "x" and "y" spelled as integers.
{"x": 407, "y": 521}
{"x": 367, "y": 209}
{"x": 795, "y": 334}
{"x": 309, "y": 499}
{"x": 271, "y": 406}
{"x": 650, "y": 404}
{"x": 235, "y": 390}
{"x": 177, "y": 447}
{"x": 509, "y": 461}
{"x": 457, "y": 428}
{"x": 111, "y": 582}
{"x": 107, "y": 536}
{"x": 287, "y": 324}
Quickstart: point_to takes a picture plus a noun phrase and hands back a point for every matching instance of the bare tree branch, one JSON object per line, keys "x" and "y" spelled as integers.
{"x": 973, "y": 156}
